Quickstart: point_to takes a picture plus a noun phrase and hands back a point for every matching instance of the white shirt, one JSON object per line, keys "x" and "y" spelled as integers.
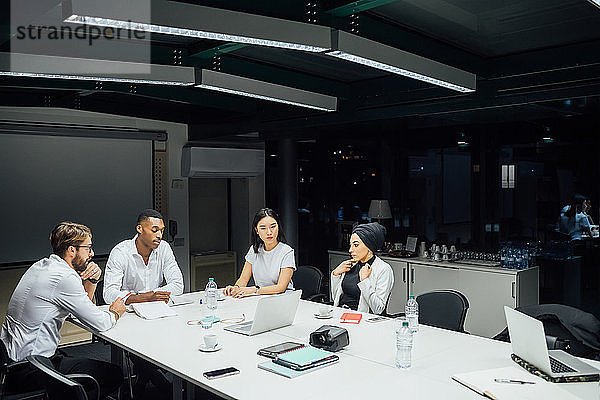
{"x": 266, "y": 265}
{"x": 47, "y": 293}
{"x": 374, "y": 290}
{"x": 573, "y": 225}
{"x": 126, "y": 271}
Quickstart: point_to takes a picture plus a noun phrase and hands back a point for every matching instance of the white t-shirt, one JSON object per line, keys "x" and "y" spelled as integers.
{"x": 267, "y": 264}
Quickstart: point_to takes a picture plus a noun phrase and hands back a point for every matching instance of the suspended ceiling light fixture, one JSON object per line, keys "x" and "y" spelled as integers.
{"x": 233, "y": 84}
{"x": 42, "y": 66}
{"x": 595, "y": 2}
{"x": 184, "y": 19}
{"x": 377, "y": 55}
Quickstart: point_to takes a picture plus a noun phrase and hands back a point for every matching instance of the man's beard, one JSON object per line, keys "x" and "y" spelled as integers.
{"x": 79, "y": 264}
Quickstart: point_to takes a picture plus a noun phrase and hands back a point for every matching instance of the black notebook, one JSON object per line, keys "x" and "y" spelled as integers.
{"x": 275, "y": 350}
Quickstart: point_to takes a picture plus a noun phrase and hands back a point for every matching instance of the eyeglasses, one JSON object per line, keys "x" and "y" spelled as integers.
{"x": 87, "y": 246}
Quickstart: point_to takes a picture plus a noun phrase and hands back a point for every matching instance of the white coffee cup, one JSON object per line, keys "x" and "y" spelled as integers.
{"x": 324, "y": 310}
{"x": 210, "y": 341}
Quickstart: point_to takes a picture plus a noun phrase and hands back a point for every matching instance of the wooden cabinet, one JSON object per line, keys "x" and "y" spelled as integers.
{"x": 487, "y": 293}
{"x": 488, "y": 289}
{"x": 425, "y": 278}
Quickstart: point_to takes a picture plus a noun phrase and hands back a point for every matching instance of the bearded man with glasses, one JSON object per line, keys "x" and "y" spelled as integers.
{"x": 50, "y": 290}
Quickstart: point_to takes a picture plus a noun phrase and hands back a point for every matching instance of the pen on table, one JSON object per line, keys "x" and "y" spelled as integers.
{"x": 501, "y": 380}
{"x": 474, "y": 388}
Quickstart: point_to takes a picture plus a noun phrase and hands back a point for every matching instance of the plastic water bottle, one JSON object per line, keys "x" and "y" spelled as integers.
{"x": 411, "y": 310}
{"x": 212, "y": 293}
{"x": 404, "y": 342}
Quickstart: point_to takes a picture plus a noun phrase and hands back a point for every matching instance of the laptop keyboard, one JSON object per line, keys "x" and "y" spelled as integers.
{"x": 558, "y": 367}
{"x": 245, "y": 326}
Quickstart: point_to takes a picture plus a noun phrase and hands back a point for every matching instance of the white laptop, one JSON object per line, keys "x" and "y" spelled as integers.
{"x": 272, "y": 312}
{"x": 528, "y": 342}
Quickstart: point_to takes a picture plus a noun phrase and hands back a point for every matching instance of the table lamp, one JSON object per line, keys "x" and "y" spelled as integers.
{"x": 379, "y": 209}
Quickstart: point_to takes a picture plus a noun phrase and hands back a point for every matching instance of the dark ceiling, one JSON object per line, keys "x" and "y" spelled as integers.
{"x": 535, "y": 60}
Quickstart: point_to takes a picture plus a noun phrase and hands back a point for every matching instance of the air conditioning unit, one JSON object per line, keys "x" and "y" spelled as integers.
{"x": 213, "y": 162}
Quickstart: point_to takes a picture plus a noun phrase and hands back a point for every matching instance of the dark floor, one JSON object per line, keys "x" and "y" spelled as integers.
{"x": 101, "y": 351}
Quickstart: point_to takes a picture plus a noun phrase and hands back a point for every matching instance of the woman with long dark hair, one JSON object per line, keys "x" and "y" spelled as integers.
{"x": 270, "y": 260}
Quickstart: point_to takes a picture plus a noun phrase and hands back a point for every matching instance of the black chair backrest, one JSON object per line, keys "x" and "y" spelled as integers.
{"x": 98, "y": 293}
{"x": 443, "y": 309}
{"x": 309, "y": 279}
{"x": 57, "y": 385}
{"x": 4, "y": 359}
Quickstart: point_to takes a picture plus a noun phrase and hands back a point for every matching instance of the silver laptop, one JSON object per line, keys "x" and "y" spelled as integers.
{"x": 528, "y": 342}
{"x": 272, "y": 312}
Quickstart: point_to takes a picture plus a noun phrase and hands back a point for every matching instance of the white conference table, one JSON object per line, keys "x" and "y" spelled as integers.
{"x": 366, "y": 368}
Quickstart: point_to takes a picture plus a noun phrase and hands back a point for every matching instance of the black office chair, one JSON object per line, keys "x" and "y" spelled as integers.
{"x": 63, "y": 387}
{"x": 7, "y": 367}
{"x": 443, "y": 309}
{"x": 309, "y": 279}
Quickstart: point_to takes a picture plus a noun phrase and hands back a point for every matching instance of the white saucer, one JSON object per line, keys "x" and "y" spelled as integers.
{"x": 203, "y": 348}
{"x": 319, "y": 316}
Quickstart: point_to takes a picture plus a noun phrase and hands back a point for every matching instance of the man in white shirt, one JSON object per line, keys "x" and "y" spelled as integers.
{"x": 136, "y": 270}
{"x": 50, "y": 290}
{"x": 137, "y": 267}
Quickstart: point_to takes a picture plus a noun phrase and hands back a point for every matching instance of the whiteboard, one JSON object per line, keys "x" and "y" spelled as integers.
{"x": 102, "y": 183}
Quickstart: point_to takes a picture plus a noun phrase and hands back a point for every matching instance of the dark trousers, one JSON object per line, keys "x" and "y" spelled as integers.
{"x": 147, "y": 372}
{"x": 108, "y": 376}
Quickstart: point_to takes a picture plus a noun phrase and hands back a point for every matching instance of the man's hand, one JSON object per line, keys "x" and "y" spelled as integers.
{"x": 160, "y": 296}
{"x": 149, "y": 296}
{"x": 118, "y": 306}
{"x": 92, "y": 271}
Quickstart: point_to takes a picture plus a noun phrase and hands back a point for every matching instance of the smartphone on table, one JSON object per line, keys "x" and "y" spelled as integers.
{"x": 219, "y": 373}
{"x": 376, "y": 319}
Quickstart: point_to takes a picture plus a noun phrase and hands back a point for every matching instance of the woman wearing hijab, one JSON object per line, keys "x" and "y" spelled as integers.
{"x": 365, "y": 282}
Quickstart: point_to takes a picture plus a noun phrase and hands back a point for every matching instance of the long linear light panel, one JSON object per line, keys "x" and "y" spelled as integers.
{"x": 183, "y": 19}
{"x": 595, "y": 2}
{"x": 377, "y": 55}
{"x": 233, "y": 84}
{"x": 41, "y": 66}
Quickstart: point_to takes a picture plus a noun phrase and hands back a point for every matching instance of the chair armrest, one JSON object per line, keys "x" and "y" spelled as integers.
{"x": 555, "y": 343}
{"x": 16, "y": 365}
{"x": 82, "y": 378}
